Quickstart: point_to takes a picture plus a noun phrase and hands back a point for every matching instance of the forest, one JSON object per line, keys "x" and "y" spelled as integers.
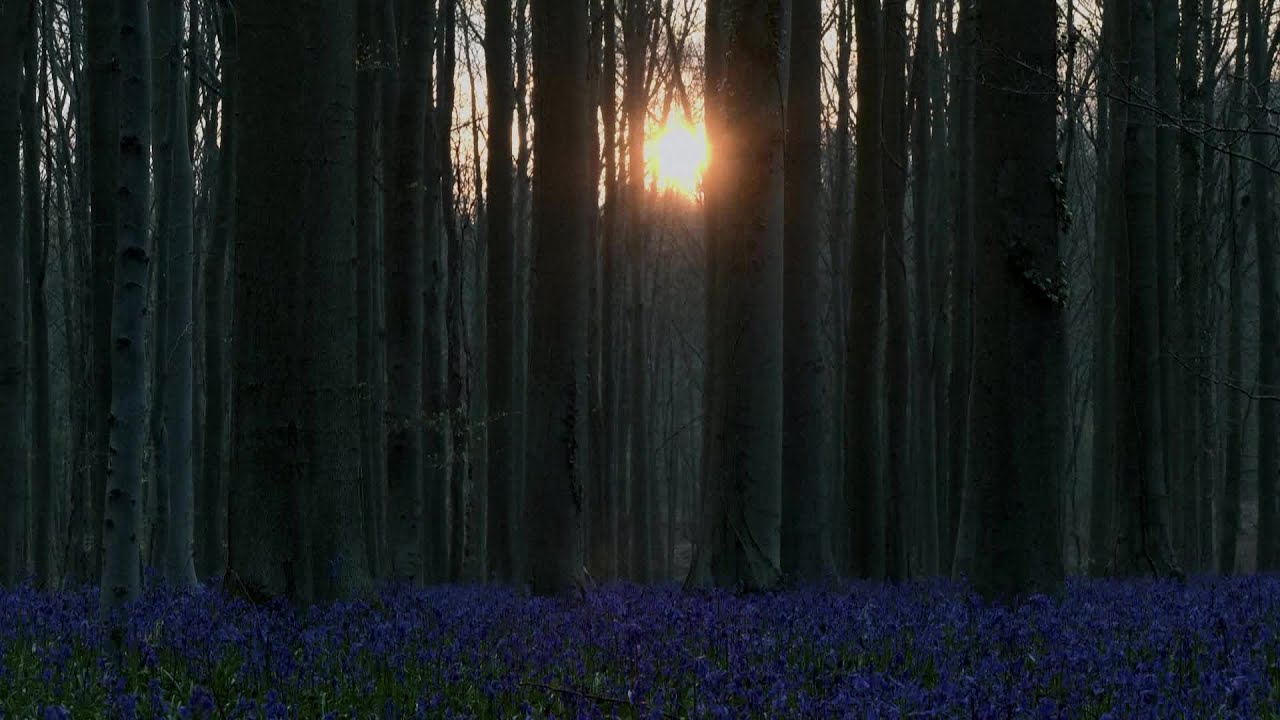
{"x": 639, "y": 358}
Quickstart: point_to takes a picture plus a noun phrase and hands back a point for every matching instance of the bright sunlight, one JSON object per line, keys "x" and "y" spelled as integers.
{"x": 676, "y": 155}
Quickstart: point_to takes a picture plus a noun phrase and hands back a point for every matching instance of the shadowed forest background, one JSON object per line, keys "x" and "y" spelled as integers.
{"x": 304, "y": 297}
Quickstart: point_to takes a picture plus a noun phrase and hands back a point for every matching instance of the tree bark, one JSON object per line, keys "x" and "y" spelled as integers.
{"x": 176, "y": 193}
{"x": 636, "y": 101}
{"x": 37, "y": 247}
{"x": 102, "y": 59}
{"x": 864, "y": 494}
{"x": 561, "y": 222}
{"x": 1019, "y": 399}
{"x": 1264, "y": 217}
{"x": 742, "y": 476}
{"x": 499, "y": 298}
{"x": 122, "y": 517}
{"x": 13, "y": 342}
{"x": 806, "y": 516}
{"x": 293, "y": 513}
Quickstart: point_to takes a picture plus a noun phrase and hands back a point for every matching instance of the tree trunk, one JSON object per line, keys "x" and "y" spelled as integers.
{"x": 806, "y": 516}
{"x": 636, "y": 101}
{"x": 13, "y": 355}
{"x": 37, "y": 247}
{"x": 210, "y": 500}
{"x": 102, "y": 59}
{"x": 1144, "y": 540}
{"x": 561, "y": 221}
{"x": 864, "y": 495}
{"x": 1019, "y": 368}
{"x": 122, "y": 517}
{"x": 960, "y": 387}
{"x": 923, "y": 466}
{"x": 459, "y": 397}
{"x": 1264, "y": 218}
{"x": 406, "y": 236}
{"x": 742, "y": 476}
{"x": 900, "y": 505}
{"x": 175, "y": 192}
{"x": 499, "y": 298}
{"x": 294, "y": 524}
{"x": 373, "y": 57}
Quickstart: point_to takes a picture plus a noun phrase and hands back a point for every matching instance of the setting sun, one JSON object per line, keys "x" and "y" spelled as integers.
{"x": 676, "y": 155}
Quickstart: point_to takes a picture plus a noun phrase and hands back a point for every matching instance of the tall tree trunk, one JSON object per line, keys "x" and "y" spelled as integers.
{"x": 499, "y": 297}
{"x": 1020, "y": 365}
{"x": 37, "y": 247}
{"x": 1145, "y": 532}
{"x": 435, "y": 350}
{"x": 561, "y": 221}
{"x": 863, "y": 494}
{"x": 1172, "y": 423}
{"x": 102, "y": 59}
{"x": 210, "y": 500}
{"x": 459, "y": 398}
{"x": 900, "y": 505}
{"x": 1233, "y": 445}
{"x": 610, "y": 326}
{"x": 371, "y": 367}
{"x": 179, "y": 290}
{"x": 13, "y": 355}
{"x": 1264, "y": 218}
{"x": 122, "y": 517}
{"x": 960, "y": 388}
{"x": 406, "y": 237}
{"x": 1195, "y": 504}
{"x": 636, "y": 101}
{"x": 806, "y": 517}
{"x": 1109, "y": 229}
{"x": 293, "y": 512}
{"x": 742, "y": 476}
{"x": 839, "y": 243}
{"x": 923, "y": 466}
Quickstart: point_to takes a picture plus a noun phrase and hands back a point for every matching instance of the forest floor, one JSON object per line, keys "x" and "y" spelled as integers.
{"x": 1209, "y": 648}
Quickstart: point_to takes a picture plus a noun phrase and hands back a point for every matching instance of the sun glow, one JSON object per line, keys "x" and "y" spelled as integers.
{"x": 676, "y": 156}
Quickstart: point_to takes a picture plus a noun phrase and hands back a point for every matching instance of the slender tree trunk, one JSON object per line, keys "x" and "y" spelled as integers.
{"x": 923, "y": 475}
{"x": 13, "y": 342}
{"x": 177, "y": 353}
{"x": 210, "y": 500}
{"x": 839, "y": 248}
{"x": 863, "y": 493}
{"x": 1195, "y": 513}
{"x": 435, "y": 350}
{"x": 963, "y": 87}
{"x": 1020, "y": 363}
{"x": 960, "y": 386}
{"x": 1264, "y": 218}
{"x": 102, "y": 59}
{"x": 610, "y": 287}
{"x": 374, "y": 57}
{"x": 636, "y": 101}
{"x": 1233, "y": 445}
{"x": 499, "y": 297}
{"x": 806, "y": 539}
{"x": 37, "y": 247}
{"x": 1172, "y": 423}
{"x": 900, "y": 503}
{"x": 561, "y": 221}
{"x": 122, "y": 523}
{"x": 406, "y": 238}
{"x": 459, "y": 398}
{"x": 1145, "y": 536}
